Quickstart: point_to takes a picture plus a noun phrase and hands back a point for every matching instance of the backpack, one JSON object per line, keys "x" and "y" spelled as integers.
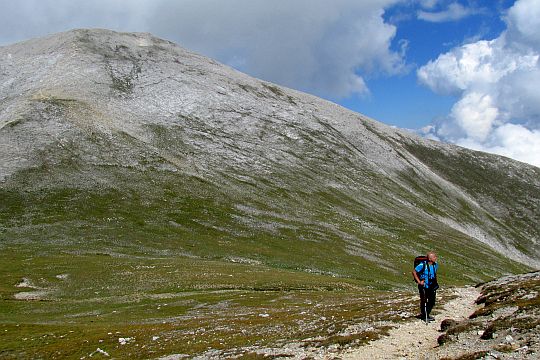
{"x": 420, "y": 259}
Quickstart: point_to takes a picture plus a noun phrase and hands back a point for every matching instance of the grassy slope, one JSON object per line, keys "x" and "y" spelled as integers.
{"x": 178, "y": 215}
{"x": 130, "y": 251}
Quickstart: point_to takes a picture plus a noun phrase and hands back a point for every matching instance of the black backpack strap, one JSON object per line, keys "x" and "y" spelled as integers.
{"x": 421, "y": 272}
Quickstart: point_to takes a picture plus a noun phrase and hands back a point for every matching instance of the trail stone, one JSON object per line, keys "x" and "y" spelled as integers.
{"x": 448, "y": 323}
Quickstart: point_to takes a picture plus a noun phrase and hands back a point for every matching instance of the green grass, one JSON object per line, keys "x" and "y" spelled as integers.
{"x": 190, "y": 304}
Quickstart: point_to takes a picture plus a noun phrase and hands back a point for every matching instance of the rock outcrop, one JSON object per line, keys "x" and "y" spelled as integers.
{"x": 506, "y": 327}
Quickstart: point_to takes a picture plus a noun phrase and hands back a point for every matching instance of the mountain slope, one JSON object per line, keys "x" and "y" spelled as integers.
{"x": 160, "y": 203}
{"x": 125, "y": 143}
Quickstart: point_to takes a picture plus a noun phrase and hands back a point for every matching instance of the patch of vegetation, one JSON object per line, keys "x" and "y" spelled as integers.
{"x": 56, "y": 101}
{"x": 248, "y": 88}
{"x": 257, "y": 356}
{"x": 277, "y": 91}
{"x": 520, "y": 323}
{"x": 14, "y": 123}
{"x": 273, "y": 92}
{"x": 124, "y": 82}
{"x": 356, "y": 339}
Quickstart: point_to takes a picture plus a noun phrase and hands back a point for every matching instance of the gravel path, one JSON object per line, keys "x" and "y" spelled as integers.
{"x": 415, "y": 339}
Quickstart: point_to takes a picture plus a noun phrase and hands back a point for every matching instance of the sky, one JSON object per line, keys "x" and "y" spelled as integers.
{"x": 461, "y": 71}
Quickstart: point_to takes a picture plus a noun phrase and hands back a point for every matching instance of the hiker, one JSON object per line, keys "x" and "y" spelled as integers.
{"x": 425, "y": 275}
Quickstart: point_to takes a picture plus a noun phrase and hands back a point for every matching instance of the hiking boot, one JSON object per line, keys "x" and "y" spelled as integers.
{"x": 431, "y": 318}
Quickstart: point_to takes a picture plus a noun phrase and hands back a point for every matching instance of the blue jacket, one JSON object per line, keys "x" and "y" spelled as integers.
{"x": 427, "y": 272}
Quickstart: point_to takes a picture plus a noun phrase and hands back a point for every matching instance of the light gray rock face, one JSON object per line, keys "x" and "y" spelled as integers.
{"x": 97, "y": 112}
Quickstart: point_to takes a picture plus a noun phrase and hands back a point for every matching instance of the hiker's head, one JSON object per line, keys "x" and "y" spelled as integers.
{"x": 432, "y": 257}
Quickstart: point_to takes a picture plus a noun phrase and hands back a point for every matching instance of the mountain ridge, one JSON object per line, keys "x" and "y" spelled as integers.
{"x": 95, "y": 111}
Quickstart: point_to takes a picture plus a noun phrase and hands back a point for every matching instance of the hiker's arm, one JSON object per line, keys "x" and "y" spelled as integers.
{"x": 416, "y": 278}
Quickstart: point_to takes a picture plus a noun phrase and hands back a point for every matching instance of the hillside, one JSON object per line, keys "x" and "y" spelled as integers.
{"x": 132, "y": 170}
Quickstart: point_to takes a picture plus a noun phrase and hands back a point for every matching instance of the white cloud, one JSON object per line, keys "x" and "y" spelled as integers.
{"x": 477, "y": 65}
{"x": 428, "y": 4}
{"x": 455, "y": 71}
{"x": 511, "y": 140}
{"x": 497, "y": 84}
{"x": 524, "y": 21}
{"x": 476, "y": 115}
{"x": 454, "y": 12}
{"x": 319, "y": 46}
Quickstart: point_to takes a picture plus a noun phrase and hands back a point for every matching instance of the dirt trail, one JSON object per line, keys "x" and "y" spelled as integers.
{"x": 415, "y": 339}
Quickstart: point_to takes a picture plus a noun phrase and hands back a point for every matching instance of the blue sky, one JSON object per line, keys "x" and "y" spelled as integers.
{"x": 400, "y": 100}
{"x": 460, "y": 71}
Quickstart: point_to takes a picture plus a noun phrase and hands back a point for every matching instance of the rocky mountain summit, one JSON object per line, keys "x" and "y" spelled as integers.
{"x": 187, "y": 156}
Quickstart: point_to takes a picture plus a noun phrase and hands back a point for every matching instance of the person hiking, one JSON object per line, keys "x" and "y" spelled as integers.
{"x": 425, "y": 275}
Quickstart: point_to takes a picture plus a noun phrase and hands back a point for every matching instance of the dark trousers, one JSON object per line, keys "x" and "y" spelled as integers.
{"x": 427, "y": 300}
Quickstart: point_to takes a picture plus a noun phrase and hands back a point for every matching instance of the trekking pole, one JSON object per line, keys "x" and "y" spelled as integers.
{"x": 425, "y": 305}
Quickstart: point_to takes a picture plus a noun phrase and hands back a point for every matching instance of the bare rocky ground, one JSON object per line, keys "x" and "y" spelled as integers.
{"x": 416, "y": 339}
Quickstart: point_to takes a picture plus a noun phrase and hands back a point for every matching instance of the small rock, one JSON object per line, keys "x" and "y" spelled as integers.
{"x": 100, "y": 351}
{"x": 441, "y": 340}
{"x": 124, "y": 341}
{"x": 25, "y": 282}
{"x": 333, "y": 348}
{"x": 154, "y": 338}
{"x": 508, "y": 338}
{"x": 448, "y": 323}
{"x": 480, "y": 332}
